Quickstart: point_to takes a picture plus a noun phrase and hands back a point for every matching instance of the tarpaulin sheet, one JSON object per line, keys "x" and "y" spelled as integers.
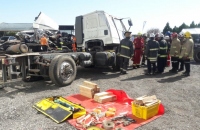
{"x": 123, "y": 104}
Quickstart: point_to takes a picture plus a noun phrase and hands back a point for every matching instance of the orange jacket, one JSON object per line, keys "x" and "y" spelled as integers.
{"x": 43, "y": 41}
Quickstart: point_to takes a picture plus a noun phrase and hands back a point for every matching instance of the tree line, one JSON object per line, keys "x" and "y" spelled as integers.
{"x": 179, "y": 29}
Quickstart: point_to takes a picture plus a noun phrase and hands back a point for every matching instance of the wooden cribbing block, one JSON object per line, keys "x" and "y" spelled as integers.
{"x": 98, "y": 95}
{"x": 109, "y": 98}
{"x": 90, "y": 84}
{"x": 87, "y": 91}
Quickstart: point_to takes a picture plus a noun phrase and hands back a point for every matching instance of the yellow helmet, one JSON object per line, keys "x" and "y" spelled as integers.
{"x": 139, "y": 34}
{"x": 187, "y": 35}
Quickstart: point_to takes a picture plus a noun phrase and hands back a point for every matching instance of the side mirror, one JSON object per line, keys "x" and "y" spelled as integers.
{"x": 130, "y": 22}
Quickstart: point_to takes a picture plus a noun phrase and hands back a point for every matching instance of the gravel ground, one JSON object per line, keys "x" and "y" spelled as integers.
{"x": 180, "y": 96}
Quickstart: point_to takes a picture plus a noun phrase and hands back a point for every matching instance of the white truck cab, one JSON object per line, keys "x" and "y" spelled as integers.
{"x": 99, "y": 30}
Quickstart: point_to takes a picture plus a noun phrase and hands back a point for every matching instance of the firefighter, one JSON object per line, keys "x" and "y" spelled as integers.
{"x": 125, "y": 52}
{"x": 156, "y": 36}
{"x": 74, "y": 43}
{"x": 152, "y": 49}
{"x": 187, "y": 52}
{"x": 145, "y": 41}
{"x": 44, "y": 43}
{"x": 162, "y": 57}
{"x": 175, "y": 52}
{"x": 167, "y": 38}
{"x": 138, "y": 45}
{"x": 59, "y": 42}
{"x": 181, "y": 61}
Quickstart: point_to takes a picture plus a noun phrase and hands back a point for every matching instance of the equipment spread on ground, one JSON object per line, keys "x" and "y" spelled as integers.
{"x": 59, "y": 109}
{"x": 100, "y": 115}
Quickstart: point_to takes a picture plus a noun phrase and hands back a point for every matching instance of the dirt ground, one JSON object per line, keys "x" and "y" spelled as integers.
{"x": 179, "y": 95}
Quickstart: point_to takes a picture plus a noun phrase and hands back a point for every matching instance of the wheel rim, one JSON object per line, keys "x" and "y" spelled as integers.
{"x": 66, "y": 71}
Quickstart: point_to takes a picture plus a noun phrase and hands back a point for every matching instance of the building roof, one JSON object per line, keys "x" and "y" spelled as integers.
{"x": 15, "y": 26}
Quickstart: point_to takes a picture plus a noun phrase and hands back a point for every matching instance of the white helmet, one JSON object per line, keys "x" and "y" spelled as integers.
{"x": 166, "y": 37}
{"x": 160, "y": 35}
{"x": 152, "y": 35}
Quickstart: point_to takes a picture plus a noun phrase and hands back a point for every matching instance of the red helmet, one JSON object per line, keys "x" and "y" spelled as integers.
{"x": 174, "y": 35}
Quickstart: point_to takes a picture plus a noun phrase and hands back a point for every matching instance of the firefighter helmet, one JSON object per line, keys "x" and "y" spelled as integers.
{"x": 160, "y": 35}
{"x": 152, "y": 35}
{"x": 139, "y": 34}
{"x": 166, "y": 37}
{"x": 174, "y": 35}
{"x": 187, "y": 35}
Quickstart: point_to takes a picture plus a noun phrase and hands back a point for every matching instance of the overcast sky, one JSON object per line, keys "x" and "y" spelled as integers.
{"x": 156, "y": 13}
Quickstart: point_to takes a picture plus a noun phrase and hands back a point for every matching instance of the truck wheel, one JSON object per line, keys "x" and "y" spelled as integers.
{"x": 197, "y": 56}
{"x": 62, "y": 71}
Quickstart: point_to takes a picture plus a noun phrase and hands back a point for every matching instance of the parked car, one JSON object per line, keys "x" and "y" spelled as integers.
{"x": 7, "y": 39}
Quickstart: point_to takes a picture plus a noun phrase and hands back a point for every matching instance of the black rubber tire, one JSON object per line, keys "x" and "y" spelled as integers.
{"x": 197, "y": 55}
{"x": 51, "y": 68}
{"x": 54, "y": 71}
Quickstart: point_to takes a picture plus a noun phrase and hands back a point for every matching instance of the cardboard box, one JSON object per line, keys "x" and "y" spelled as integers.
{"x": 109, "y": 98}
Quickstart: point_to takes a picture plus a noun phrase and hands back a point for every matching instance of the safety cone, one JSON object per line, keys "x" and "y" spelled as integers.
{"x": 168, "y": 60}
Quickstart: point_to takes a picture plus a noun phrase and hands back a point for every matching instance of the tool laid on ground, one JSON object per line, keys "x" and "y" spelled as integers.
{"x": 108, "y": 125}
{"x": 94, "y": 128}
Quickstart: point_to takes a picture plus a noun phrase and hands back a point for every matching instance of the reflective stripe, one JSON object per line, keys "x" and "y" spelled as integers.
{"x": 124, "y": 56}
{"x": 126, "y": 47}
{"x": 61, "y": 42}
{"x": 163, "y": 48}
{"x": 59, "y": 48}
{"x": 176, "y": 51}
{"x": 173, "y": 46}
{"x": 163, "y": 56}
{"x": 155, "y": 49}
{"x": 186, "y": 53}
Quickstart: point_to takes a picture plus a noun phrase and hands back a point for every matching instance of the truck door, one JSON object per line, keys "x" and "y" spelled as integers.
{"x": 113, "y": 30}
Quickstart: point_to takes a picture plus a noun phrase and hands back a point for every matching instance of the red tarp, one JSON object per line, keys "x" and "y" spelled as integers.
{"x": 123, "y": 104}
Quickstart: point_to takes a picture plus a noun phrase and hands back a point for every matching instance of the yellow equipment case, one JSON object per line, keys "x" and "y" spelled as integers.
{"x": 59, "y": 109}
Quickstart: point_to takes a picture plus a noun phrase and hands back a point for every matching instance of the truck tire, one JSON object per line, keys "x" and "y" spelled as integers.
{"x": 62, "y": 71}
{"x": 197, "y": 55}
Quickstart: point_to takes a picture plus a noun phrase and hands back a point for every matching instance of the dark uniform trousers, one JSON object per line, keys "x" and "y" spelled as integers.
{"x": 123, "y": 64}
{"x": 174, "y": 61}
{"x": 44, "y": 48}
{"x": 149, "y": 65}
{"x": 143, "y": 59}
{"x": 161, "y": 63}
{"x": 181, "y": 63}
{"x": 187, "y": 65}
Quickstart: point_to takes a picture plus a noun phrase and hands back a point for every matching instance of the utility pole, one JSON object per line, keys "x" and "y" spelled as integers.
{"x": 144, "y": 23}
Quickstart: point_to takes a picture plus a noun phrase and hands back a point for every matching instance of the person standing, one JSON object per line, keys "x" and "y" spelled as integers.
{"x": 139, "y": 45}
{"x": 162, "y": 57}
{"x": 181, "y": 61}
{"x": 187, "y": 52}
{"x": 151, "y": 52}
{"x": 44, "y": 43}
{"x": 145, "y": 40}
{"x": 59, "y": 42}
{"x": 175, "y": 52}
{"x": 74, "y": 43}
{"x": 125, "y": 52}
{"x": 167, "y": 39}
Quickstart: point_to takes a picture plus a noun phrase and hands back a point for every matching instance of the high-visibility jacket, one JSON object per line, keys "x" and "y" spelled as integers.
{"x": 175, "y": 48}
{"x": 163, "y": 48}
{"x": 43, "y": 41}
{"x": 187, "y": 49}
{"x": 74, "y": 44}
{"x": 138, "y": 43}
{"x": 152, "y": 49}
{"x": 125, "y": 48}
